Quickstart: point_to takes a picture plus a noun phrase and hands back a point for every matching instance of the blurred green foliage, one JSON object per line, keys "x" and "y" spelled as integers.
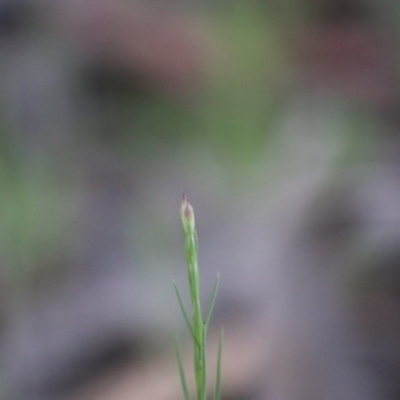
{"x": 231, "y": 115}
{"x": 35, "y": 210}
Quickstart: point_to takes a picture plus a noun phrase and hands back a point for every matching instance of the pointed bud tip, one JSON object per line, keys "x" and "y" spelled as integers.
{"x": 187, "y": 215}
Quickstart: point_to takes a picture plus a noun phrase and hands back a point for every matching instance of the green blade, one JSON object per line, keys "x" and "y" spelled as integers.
{"x": 217, "y": 395}
{"x": 185, "y": 390}
{"x": 185, "y": 315}
{"x": 211, "y": 306}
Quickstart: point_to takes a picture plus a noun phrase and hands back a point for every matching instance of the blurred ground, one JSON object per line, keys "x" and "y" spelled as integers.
{"x": 280, "y": 121}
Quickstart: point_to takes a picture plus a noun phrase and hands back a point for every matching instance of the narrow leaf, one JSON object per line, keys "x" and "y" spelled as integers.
{"x": 211, "y": 306}
{"x": 217, "y": 395}
{"x": 185, "y": 390}
{"x": 185, "y": 315}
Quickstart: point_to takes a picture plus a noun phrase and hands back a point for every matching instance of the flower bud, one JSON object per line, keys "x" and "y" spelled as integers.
{"x": 187, "y": 216}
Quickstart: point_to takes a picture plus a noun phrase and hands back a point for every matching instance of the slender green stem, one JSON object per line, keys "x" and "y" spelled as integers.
{"x": 197, "y": 325}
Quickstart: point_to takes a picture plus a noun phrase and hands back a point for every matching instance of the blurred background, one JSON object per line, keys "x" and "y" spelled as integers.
{"x": 279, "y": 119}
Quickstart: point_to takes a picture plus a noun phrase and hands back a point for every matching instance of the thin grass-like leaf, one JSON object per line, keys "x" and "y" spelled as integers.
{"x": 217, "y": 395}
{"x": 185, "y": 390}
{"x": 211, "y": 306}
{"x": 185, "y": 315}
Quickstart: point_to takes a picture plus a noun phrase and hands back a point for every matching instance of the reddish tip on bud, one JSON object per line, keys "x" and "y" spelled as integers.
{"x": 187, "y": 216}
